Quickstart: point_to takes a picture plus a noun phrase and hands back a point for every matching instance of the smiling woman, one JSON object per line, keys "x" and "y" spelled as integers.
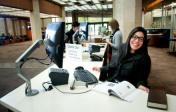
{"x": 132, "y": 62}
{"x": 136, "y": 41}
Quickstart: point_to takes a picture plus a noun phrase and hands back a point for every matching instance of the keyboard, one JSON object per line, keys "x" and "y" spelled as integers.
{"x": 85, "y": 76}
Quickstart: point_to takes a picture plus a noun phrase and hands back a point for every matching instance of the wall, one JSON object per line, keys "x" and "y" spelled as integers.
{"x": 2, "y": 26}
{"x": 20, "y": 25}
{"x": 10, "y": 26}
{"x": 19, "y": 28}
{"x": 23, "y": 27}
{"x": 148, "y": 19}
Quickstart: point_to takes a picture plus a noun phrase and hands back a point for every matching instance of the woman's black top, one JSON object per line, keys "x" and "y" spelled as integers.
{"x": 134, "y": 68}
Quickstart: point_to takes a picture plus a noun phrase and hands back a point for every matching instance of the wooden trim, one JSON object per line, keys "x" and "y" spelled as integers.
{"x": 21, "y": 4}
{"x": 46, "y": 7}
{"x": 50, "y": 8}
{"x": 152, "y": 5}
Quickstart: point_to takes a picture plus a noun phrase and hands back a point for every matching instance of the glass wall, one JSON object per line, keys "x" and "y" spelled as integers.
{"x": 98, "y": 28}
{"x": 94, "y": 19}
{"x": 96, "y": 25}
{"x": 165, "y": 17}
{"x": 68, "y": 19}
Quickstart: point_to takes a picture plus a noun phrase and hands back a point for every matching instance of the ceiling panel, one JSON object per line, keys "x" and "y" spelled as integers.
{"x": 74, "y": 5}
{"x": 85, "y": 5}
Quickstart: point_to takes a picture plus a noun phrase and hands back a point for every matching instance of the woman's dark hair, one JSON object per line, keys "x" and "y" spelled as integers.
{"x": 143, "y": 48}
{"x": 75, "y": 24}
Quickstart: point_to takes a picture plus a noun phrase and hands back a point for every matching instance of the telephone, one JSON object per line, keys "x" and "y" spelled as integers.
{"x": 95, "y": 57}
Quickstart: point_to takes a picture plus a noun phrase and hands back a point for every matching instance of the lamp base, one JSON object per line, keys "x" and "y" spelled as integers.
{"x": 32, "y": 92}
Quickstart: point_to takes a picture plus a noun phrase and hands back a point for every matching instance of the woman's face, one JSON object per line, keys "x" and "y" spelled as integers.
{"x": 75, "y": 28}
{"x": 136, "y": 41}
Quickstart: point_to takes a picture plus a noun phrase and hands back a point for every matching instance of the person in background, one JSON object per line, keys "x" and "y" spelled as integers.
{"x": 132, "y": 62}
{"x": 115, "y": 38}
{"x": 2, "y": 39}
{"x": 72, "y": 36}
{"x": 43, "y": 32}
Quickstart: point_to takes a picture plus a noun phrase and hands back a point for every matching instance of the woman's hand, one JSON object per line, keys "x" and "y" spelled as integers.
{"x": 96, "y": 69}
{"x": 143, "y": 88}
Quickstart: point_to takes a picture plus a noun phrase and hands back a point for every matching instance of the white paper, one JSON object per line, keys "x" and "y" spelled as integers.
{"x": 74, "y": 52}
{"x": 123, "y": 90}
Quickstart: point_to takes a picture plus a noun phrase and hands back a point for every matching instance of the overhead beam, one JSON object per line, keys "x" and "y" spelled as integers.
{"x": 48, "y": 7}
{"x": 20, "y": 4}
{"x": 93, "y": 13}
{"x": 45, "y": 6}
{"x": 152, "y": 5}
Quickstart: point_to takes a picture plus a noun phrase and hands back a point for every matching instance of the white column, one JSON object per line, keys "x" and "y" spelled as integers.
{"x": 143, "y": 18}
{"x": 129, "y": 15}
{"x": 35, "y": 21}
{"x": 63, "y": 14}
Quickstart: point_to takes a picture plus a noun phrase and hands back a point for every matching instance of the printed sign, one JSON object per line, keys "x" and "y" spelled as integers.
{"x": 74, "y": 52}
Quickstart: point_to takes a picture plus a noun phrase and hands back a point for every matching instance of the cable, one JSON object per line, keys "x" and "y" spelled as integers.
{"x": 39, "y": 60}
{"x": 26, "y": 89}
{"x": 63, "y": 92}
{"x": 74, "y": 93}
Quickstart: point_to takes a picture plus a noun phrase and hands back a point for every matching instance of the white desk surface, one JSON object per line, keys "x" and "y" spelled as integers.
{"x": 53, "y": 101}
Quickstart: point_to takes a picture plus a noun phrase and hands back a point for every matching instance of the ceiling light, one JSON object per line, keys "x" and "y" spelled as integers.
{"x": 77, "y": 7}
{"x": 73, "y": 0}
{"x": 110, "y": 6}
{"x": 83, "y": 7}
{"x": 104, "y": 6}
{"x": 63, "y": 0}
{"x": 70, "y": 3}
{"x": 69, "y": 8}
{"x": 96, "y": 1}
{"x": 94, "y": 7}
{"x": 60, "y": 2}
{"x": 99, "y": 6}
{"x": 66, "y": 8}
{"x": 82, "y": 2}
{"x": 87, "y": 6}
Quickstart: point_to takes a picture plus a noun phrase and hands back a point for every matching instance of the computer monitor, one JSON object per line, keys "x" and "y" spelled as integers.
{"x": 54, "y": 42}
{"x": 83, "y": 33}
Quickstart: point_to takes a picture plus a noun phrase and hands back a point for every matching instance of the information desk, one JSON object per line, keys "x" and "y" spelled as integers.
{"x": 92, "y": 101}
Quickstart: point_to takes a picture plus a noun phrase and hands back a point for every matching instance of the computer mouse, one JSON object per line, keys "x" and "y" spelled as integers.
{"x": 79, "y": 68}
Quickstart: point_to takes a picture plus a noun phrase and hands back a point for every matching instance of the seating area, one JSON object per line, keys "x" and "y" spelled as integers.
{"x": 8, "y": 39}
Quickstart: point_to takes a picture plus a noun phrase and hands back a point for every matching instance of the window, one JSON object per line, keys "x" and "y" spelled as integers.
{"x": 82, "y": 19}
{"x": 68, "y": 19}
